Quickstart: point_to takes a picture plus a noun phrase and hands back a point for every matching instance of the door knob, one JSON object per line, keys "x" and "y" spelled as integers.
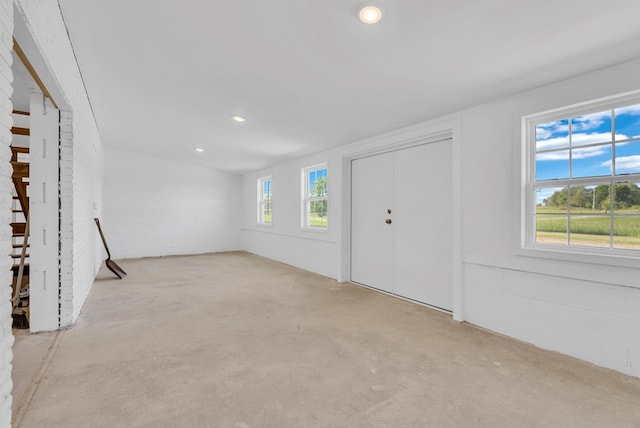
{"x": 388, "y": 221}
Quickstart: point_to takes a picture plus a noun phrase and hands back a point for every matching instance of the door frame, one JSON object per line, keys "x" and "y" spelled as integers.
{"x": 40, "y": 69}
{"x": 424, "y": 133}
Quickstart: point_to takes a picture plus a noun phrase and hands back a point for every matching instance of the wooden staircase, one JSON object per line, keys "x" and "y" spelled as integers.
{"x": 20, "y": 212}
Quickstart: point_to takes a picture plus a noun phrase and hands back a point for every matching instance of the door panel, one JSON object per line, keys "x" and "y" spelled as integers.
{"x": 371, "y": 236}
{"x": 423, "y": 228}
{"x": 412, "y": 256}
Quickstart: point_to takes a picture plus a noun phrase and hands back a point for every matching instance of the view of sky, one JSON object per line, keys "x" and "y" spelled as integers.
{"x": 590, "y": 140}
{"x": 313, "y": 177}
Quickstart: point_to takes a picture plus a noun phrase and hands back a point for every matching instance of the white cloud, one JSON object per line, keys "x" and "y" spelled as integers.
{"x": 590, "y": 152}
{"x": 625, "y": 164}
{"x": 590, "y": 121}
{"x": 545, "y": 131}
{"x": 552, "y": 143}
{"x": 577, "y": 140}
{"x": 583, "y": 139}
{"x": 552, "y": 156}
{"x": 584, "y": 153}
{"x": 635, "y": 109}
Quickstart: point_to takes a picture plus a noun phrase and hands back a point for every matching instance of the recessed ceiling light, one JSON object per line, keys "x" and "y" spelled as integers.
{"x": 199, "y": 149}
{"x": 239, "y": 118}
{"x": 370, "y": 14}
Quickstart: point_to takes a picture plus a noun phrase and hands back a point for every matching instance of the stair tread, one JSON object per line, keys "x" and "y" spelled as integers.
{"x": 18, "y": 228}
{"x": 26, "y": 265}
{"x": 16, "y": 130}
{"x": 20, "y": 245}
{"x": 17, "y": 256}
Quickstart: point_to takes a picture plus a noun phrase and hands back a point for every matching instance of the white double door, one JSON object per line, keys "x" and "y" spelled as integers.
{"x": 401, "y": 229}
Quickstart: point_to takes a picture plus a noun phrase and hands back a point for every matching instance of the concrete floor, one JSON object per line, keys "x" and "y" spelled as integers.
{"x": 236, "y": 340}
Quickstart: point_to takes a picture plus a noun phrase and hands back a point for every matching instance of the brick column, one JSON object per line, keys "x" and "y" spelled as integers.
{"x": 6, "y": 185}
{"x": 66, "y": 219}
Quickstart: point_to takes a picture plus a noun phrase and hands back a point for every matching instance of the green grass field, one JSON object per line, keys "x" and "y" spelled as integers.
{"x": 589, "y": 228}
{"x": 316, "y": 220}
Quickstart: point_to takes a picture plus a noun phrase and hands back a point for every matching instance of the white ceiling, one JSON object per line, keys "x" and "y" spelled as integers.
{"x": 166, "y": 76}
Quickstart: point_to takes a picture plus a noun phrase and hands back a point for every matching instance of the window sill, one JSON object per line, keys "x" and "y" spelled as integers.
{"x": 315, "y": 229}
{"x": 581, "y": 255}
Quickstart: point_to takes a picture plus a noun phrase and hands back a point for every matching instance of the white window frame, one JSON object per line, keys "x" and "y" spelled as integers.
{"x": 262, "y": 201}
{"x": 307, "y": 199}
{"x": 528, "y": 243}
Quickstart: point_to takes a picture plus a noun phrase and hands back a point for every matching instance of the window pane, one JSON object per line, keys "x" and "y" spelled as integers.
{"x": 581, "y": 199}
{"x": 551, "y": 215}
{"x": 266, "y": 217}
{"x": 315, "y": 201}
{"x": 552, "y": 165}
{"x": 552, "y": 135}
{"x": 626, "y": 220}
{"x": 628, "y": 122}
{"x": 318, "y": 183}
{"x": 264, "y": 194}
{"x": 601, "y": 198}
{"x": 626, "y": 198}
{"x": 626, "y": 232}
{"x": 591, "y": 161}
{"x": 551, "y": 200}
{"x": 592, "y": 230}
{"x": 591, "y": 128}
{"x": 318, "y": 213}
{"x": 628, "y": 158}
{"x": 590, "y": 222}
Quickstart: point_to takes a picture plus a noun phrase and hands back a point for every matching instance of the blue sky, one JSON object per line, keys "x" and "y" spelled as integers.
{"x": 552, "y": 145}
{"x": 589, "y": 157}
{"x": 313, "y": 177}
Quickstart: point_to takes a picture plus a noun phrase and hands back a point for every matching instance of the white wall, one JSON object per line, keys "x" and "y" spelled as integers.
{"x": 285, "y": 240}
{"x": 584, "y": 309}
{"x": 6, "y": 186}
{"x": 157, "y": 207}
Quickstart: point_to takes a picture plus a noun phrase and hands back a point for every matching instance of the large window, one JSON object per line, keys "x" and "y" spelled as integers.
{"x": 265, "y": 192}
{"x": 583, "y": 178}
{"x": 315, "y": 196}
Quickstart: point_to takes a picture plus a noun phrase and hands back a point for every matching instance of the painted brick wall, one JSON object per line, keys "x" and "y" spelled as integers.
{"x": 66, "y": 216}
{"x": 87, "y": 198}
{"x": 593, "y": 321}
{"x": 6, "y": 120}
{"x": 157, "y": 207}
{"x": 82, "y": 156}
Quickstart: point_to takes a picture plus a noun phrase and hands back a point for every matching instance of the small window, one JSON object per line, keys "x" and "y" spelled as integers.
{"x": 582, "y": 189}
{"x": 265, "y": 193}
{"x": 315, "y": 196}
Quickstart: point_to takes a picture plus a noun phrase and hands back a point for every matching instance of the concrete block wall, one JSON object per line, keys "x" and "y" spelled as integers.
{"x": 157, "y": 207}
{"x": 593, "y": 321}
{"x": 6, "y": 186}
